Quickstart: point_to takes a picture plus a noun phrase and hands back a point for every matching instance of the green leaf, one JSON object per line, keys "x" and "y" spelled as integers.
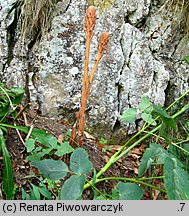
{"x": 145, "y": 105}
{"x": 186, "y": 59}
{"x": 44, "y": 138}
{"x": 148, "y": 118}
{"x": 25, "y": 196}
{"x": 8, "y": 184}
{"x": 73, "y": 188}
{"x": 94, "y": 177}
{"x": 79, "y": 162}
{"x": 151, "y": 153}
{"x": 129, "y": 115}
{"x": 45, "y": 193}
{"x": 182, "y": 183}
{"x": 30, "y": 144}
{"x": 101, "y": 197}
{"x": 115, "y": 194}
{"x": 176, "y": 180}
{"x": 32, "y": 195}
{"x": 171, "y": 123}
{"x": 164, "y": 129}
{"x": 37, "y": 156}
{"x": 36, "y": 192}
{"x": 129, "y": 191}
{"x": 52, "y": 169}
{"x": 160, "y": 111}
{"x": 63, "y": 149}
{"x": 17, "y": 90}
{"x": 53, "y": 142}
{"x": 37, "y": 149}
{"x": 164, "y": 132}
{"x": 168, "y": 120}
{"x": 46, "y": 151}
{"x": 40, "y": 135}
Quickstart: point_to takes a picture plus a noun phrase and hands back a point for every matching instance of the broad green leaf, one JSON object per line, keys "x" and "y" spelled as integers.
{"x": 176, "y": 180}
{"x": 174, "y": 153}
{"x": 129, "y": 115}
{"x": 37, "y": 156}
{"x": 182, "y": 182}
{"x": 169, "y": 180}
{"x": 73, "y": 188}
{"x": 32, "y": 195}
{"x": 164, "y": 129}
{"x": 164, "y": 132}
{"x": 148, "y": 118}
{"x": 44, "y": 191}
{"x": 63, "y": 149}
{"x": 37, "y": 149}
{"x": 145, "y": 105}
{"x": 44, "y": 138}
{"x": 52, "y": 169}
{"x": 171, "y": 123}
{"x": 25, "y": 196}
{"x": 8, "y": 184}
{"x": 36, "y": 192}
{"x": 30, "y": 144}
{"x": 18, "y": 95}
{"x": 160, "y": 111}
{"x": 53, "y": 142}
{"x": 17, "y": 90}
{"x": 151, "y": 153}
{"x": 46, "y": 151}
{"x": 186, "y": 59}
{"x": 129, "y": 191}
{"x": 168, "y": 120}
{"x": 79, "y": 162}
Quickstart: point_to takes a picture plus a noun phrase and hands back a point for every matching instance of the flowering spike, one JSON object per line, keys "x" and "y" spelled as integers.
{"x": 103, "y": 41}
{"x": 90, "y": 21}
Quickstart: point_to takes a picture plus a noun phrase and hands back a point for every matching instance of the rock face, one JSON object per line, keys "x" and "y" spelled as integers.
{"x": 144, "y": 57}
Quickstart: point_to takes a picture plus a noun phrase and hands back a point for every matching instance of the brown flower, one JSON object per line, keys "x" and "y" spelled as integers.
{"x": 103, "y": 41}
{"x": 90, "y": 21}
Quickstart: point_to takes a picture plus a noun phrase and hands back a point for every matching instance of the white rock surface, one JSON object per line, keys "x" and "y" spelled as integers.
{"x": 145, "y": 54}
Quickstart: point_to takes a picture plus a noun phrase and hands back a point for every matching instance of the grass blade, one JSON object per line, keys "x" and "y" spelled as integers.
{"x": 8, "y": 185}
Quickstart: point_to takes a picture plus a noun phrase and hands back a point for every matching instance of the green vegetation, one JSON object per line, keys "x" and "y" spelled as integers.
{"x": 102, "y": 5}
{"x": 41, "y": 148}
{"x": 64, "y": 172}
{"x": 9, "y": 100}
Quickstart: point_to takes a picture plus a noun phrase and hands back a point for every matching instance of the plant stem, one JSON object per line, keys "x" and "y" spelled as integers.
{"x": 84, "y": 93}
{"x": 122, "y": 152}
{"x": 12, "y": 106}
{"x": 99, "y": 56}
{"x": 182, "y": 149}
{"x": 175, "y": 101}
{"x": 138, "y": 181}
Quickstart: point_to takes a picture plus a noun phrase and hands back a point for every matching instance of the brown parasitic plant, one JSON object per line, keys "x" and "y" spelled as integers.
{"x": 90, "y": 21}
